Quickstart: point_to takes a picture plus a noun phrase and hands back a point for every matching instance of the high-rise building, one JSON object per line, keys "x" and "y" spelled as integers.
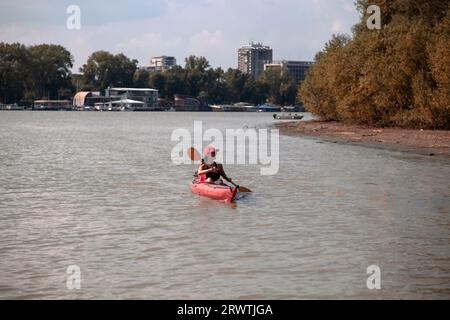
{"x": 298, "y": 69}
{"x": 273, "y": 66}
{"x": 162, "y": 63}
{"x": 253, "y": 57}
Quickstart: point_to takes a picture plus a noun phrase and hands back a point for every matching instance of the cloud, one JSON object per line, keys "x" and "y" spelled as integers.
{"x": 213, "y": 28}
{"x": 98, "y": 12}
{"x": 337, "y": 26}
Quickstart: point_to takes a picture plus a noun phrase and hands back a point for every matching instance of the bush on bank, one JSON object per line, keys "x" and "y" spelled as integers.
{"x": 396, "y": 76}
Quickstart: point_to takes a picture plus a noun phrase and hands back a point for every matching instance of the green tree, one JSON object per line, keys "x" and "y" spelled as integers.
{"x": 281, "y": 86}
{"x": 240, "y": 86}
{"x": 176, "y": 82}
{"x": 193, "y": 63}
{"x": 158, "y": 80}
{"x": 196, "y": 74}
{"x": 249, "y": 91}
{"x": 260, "y": 92}
{"x": 14, "y": 62}
{"x": 214, "y": 87}
{"x": 288, "y": 89}
{"x": 141, "y": 78}
{"x": 104, "y": 69}
{"x": 49, "y": 70}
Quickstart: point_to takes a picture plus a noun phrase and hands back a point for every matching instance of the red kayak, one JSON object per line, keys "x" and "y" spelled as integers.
{"x": 214, "y": 191}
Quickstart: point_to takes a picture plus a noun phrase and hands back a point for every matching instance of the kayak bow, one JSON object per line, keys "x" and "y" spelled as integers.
{"x": 214, "y": 191}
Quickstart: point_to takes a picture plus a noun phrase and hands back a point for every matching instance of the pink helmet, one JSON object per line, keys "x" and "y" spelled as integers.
{"x": 209, "y": 150}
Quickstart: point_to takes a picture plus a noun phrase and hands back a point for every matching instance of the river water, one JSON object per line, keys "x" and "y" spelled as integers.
{"x": 99, "y": 191}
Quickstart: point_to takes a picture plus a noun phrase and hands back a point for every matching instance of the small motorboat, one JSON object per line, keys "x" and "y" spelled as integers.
{"x": 289, "y": 116}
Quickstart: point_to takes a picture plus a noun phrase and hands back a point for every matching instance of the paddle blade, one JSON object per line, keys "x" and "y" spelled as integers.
{"x": 244, "y": 189}
{"x": 193, "y": 154}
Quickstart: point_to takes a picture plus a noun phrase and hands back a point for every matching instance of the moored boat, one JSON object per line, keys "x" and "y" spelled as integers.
{"x": 287, "y": 116}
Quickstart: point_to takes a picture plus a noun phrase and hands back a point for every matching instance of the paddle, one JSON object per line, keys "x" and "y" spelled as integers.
{"x": 241, "y": 189}
{"x": 194, "y": 155}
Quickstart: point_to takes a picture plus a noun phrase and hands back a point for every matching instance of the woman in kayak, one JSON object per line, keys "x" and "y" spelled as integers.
{"x": 210, "y": 171}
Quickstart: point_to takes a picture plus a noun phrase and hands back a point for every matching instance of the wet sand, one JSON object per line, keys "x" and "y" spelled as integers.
{"x": 426, "y": 142}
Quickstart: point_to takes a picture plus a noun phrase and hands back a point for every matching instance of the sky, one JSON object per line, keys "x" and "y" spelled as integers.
{"x": 294, "y": 29}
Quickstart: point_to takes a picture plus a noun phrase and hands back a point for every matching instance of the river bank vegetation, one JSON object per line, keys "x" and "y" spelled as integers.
{"x": 40, "y": 71}
{"x": 398, "y": 75}
{"x": 44, "y": 71}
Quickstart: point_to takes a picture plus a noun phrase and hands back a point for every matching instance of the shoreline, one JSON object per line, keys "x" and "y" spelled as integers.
{"x": 422, "y": 142}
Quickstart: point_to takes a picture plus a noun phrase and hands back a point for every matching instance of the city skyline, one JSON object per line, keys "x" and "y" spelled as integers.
{"x": 296, "y": 30}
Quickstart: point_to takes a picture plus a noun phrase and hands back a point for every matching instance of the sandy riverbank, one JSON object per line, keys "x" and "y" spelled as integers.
{"x": 429, "y": 142}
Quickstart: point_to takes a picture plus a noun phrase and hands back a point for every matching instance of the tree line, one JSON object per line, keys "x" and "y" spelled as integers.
{"x": 196, "y": 78}
{"x": 398, "y": 75}
{"x": 44, "y": 71}
{"x": 40, "y": 71}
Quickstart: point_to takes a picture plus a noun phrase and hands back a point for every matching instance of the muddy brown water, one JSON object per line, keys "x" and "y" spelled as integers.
{"x": 99, "y": 190}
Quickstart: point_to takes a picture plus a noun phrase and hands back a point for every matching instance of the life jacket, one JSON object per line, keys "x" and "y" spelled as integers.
{"x": 203, "y": 176}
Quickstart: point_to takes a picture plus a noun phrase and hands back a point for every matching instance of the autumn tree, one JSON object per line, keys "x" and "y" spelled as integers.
{"x": 395, "y": 76}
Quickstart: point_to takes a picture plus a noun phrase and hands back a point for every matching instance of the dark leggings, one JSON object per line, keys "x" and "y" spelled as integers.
{"x": 213, "y": 175}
